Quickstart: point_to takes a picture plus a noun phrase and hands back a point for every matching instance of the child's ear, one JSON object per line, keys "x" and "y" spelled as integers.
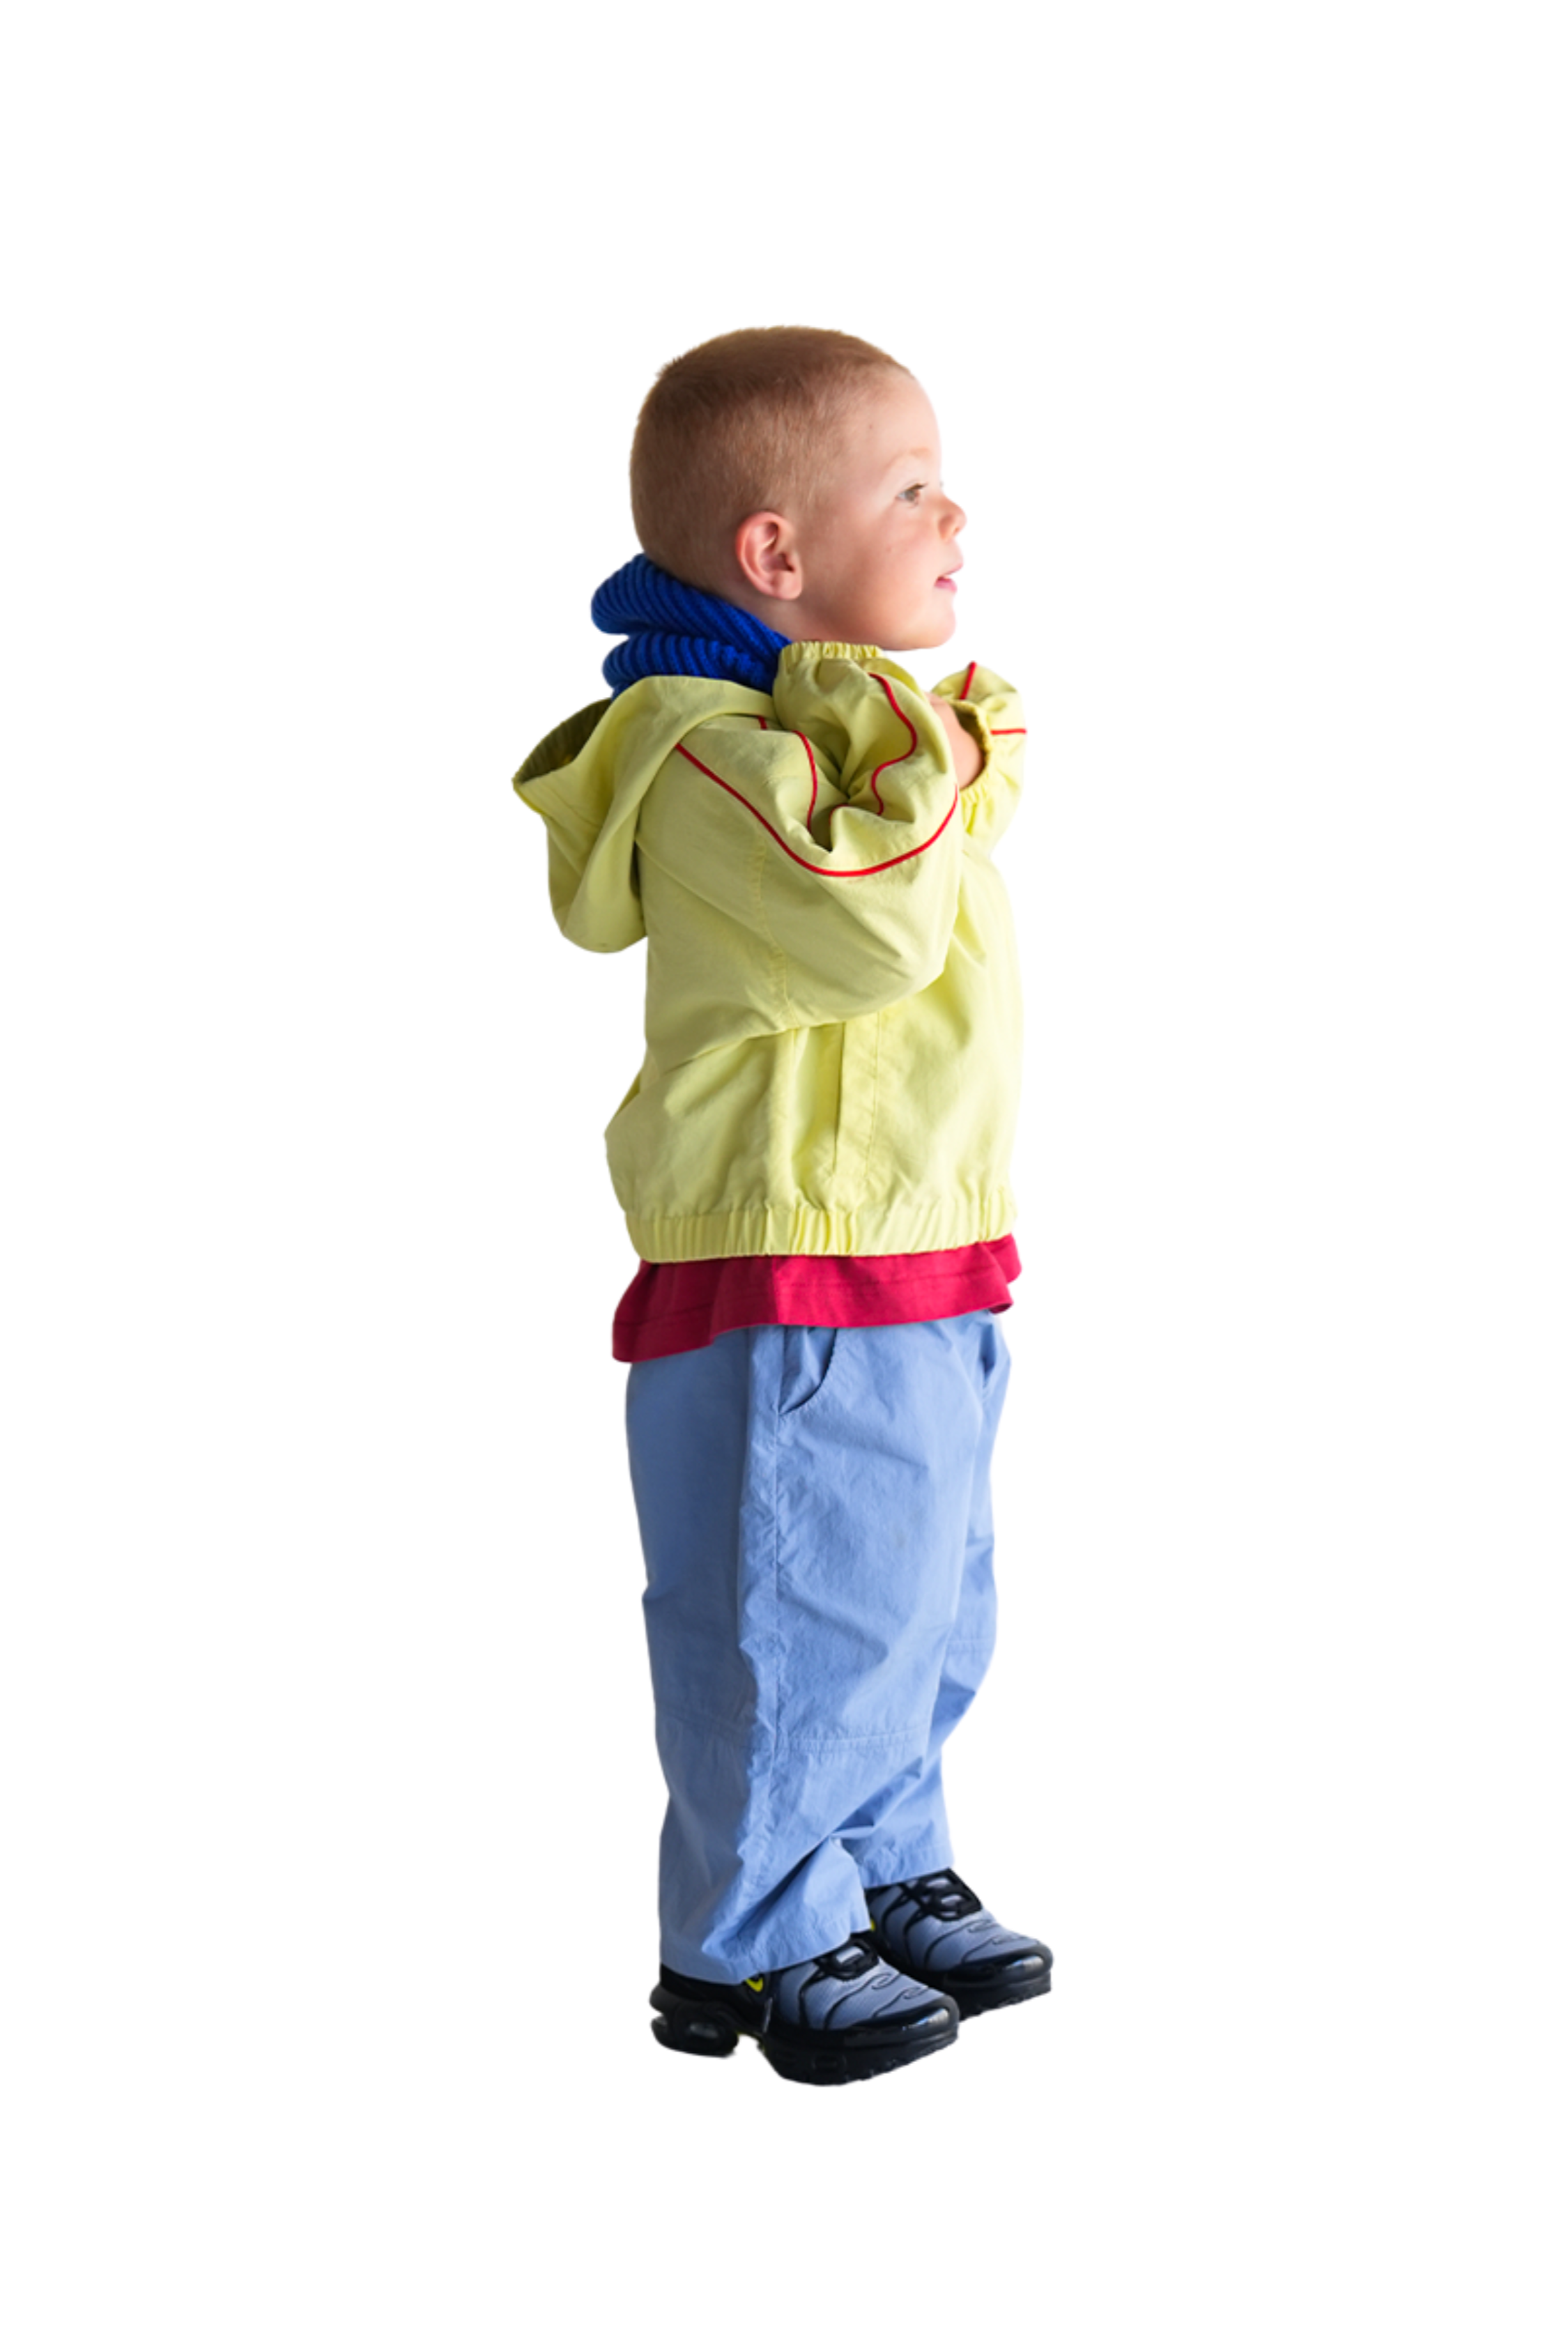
{"x": 767, "y": 552}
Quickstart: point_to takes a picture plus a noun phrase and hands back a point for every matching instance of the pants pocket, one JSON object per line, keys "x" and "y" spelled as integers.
{"x": 807, "y": 1360}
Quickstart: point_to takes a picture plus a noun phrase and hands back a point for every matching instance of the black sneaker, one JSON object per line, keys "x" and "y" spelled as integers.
{"x": 937, "y": 1930}
{"x": 837, "y": 2019}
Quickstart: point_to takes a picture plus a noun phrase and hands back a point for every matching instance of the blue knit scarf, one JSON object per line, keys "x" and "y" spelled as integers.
{"x": 674, "y": 630}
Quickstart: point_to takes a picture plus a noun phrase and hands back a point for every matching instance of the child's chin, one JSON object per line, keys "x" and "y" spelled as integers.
{"x": 933, "y": 631}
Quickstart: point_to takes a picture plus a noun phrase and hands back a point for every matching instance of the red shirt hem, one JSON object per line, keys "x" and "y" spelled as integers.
{"x": 669, "y": 1309}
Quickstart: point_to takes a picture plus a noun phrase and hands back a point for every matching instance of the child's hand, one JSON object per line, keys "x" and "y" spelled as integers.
{"x": 965, "y": 750}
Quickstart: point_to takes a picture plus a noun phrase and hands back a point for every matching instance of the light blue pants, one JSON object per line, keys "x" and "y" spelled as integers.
{"x": 815, "y": 1515}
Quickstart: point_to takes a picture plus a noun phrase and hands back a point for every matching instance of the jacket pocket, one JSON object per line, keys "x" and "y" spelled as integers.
{"x": 860, "y": 1074}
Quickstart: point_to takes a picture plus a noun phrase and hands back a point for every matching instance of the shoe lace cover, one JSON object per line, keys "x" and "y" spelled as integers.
{"x": 938, "y": 1923}
{"x": 848, "y": 1986}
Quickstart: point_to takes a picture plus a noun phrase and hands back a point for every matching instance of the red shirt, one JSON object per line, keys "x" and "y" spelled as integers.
{"x": 670, "y": 1308}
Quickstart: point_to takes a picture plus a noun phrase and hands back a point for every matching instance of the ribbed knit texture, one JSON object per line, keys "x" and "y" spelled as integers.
{"x": 674, "y": 630}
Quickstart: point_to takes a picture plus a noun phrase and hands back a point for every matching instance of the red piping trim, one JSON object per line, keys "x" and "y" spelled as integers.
{"x": 968, "y": 682}
{"x": 1009, "y": 731}
{"x": 904, "y": 754}
{"x": 811, "y": 755}
{"x": 833, "y": 873}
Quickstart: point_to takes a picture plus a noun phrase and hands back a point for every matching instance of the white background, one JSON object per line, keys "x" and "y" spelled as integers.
{"x": 326, "y": 1764}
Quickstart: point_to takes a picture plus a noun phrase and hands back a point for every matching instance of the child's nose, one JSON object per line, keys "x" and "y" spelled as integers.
{"x": 957, "y": 519}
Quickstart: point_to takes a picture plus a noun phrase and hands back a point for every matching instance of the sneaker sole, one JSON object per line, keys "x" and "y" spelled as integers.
{"x": 973, "y": 2001}
{"x": 709, "y": 2030}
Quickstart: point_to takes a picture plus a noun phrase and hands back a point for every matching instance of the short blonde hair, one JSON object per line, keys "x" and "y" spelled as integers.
{"x": 730, "y": 429}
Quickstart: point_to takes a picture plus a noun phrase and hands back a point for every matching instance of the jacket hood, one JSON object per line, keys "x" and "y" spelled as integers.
{"x": 587, "y": 780}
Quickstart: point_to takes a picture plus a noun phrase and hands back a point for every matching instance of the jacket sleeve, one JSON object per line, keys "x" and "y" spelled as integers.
{"x": 994, "y": 713}
{"x": 833, "y": 836}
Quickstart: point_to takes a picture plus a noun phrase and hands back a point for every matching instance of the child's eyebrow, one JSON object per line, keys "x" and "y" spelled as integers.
{"x": 926, "y": 457}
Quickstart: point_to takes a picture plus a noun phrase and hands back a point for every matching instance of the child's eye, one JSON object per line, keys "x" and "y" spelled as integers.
{"x": 912, "y": 493}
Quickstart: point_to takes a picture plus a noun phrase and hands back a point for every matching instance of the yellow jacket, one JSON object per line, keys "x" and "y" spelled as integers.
{"x": 834, "y": 1021}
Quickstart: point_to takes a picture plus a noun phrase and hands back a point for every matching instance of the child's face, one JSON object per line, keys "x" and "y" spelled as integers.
{"x": 878, "y": 541}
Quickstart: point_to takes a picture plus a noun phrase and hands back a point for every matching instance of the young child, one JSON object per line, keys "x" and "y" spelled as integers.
{"x": 813, "y": 1166}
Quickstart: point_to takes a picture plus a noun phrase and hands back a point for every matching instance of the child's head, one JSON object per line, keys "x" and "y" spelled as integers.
{"x": 797, "y": 472}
